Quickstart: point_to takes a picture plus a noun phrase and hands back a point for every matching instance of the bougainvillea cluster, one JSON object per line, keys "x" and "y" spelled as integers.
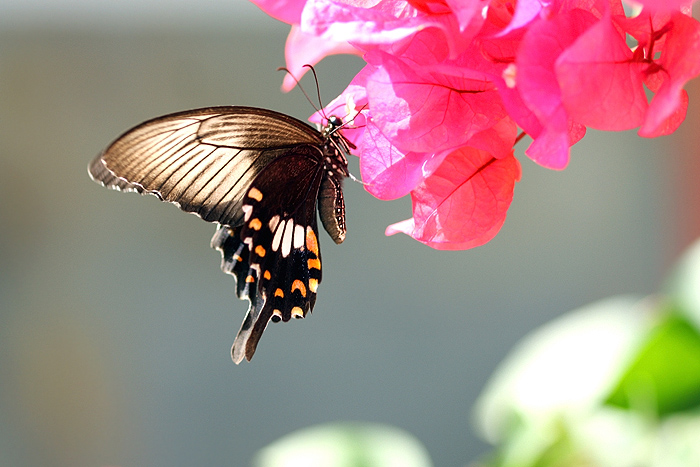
{"x": 449, "y": 84}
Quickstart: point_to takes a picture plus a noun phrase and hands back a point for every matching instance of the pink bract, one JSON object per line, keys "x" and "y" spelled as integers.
{"x": 463, "y": 204}
{"x": 288, "y": 11}
{"x": 435, "y": 112}
{"x": 602, "y": 86}
{"x": 678, "y": 64}
{"x": 429, "y": 113}
{"x": 537, "y": 82}
{"x": 666, "y": 6}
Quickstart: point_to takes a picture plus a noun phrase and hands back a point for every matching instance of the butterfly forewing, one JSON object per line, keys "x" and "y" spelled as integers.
{"x": 99, "y": 173}
{"x": 256, "y": 129}
{"x": 203, "y": 159}
{"x": 260, "y": 175}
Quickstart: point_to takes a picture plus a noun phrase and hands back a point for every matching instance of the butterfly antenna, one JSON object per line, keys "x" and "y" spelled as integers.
{"x": 318, "y": 89}
{"x": 282, "y": 68}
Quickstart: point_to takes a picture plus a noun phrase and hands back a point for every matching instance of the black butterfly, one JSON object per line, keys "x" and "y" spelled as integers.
{"x": 260, "y": 175}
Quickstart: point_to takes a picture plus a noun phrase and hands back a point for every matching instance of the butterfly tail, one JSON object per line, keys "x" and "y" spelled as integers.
{"x": 250, "y": 333}
{"x": 235, "y": 261}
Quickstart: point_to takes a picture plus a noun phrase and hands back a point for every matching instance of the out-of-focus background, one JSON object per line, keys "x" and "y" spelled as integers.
{"x": 116, "y": 322}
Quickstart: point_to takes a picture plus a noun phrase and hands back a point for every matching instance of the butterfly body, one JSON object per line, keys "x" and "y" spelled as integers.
{"x": 259, "y": 174}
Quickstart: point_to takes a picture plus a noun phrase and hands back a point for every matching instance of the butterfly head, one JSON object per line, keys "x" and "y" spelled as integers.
{"x": 334, "y": 123}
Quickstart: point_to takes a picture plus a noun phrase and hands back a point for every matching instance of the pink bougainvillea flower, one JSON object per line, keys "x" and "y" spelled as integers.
{"x": 493, "y": 54}
{"x": 467, "y": 13}
{"x": 497, "y": 140}
{"x": 463, "y": 204}
{"x": 389, "y": 173}
{"x": 301, "y": 48}
{"x": 435, "y": 112}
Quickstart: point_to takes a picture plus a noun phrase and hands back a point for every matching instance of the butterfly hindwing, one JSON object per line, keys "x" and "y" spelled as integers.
{"x": 274, "y": 254}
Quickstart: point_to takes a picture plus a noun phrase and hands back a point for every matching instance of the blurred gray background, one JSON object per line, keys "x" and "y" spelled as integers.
{"x": 116, "y": 322}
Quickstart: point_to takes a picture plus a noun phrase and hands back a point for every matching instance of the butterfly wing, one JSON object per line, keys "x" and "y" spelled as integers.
{"x": 99, "y": 172}
{"x": 275, "y": 254}
{"x": 202, "y": 160}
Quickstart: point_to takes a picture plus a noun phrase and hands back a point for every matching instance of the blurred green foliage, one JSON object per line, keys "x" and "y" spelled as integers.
{"x": 665, "y": 376}
{"x": 345, "y": 445}
{"x": 616, "y": 383}
{"x": 613, "y": 384}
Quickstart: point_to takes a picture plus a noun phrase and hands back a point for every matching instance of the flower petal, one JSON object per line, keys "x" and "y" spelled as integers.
{"x": 463, "y": 204}
{"x": 679, "y": 61}
{"x": 304, "y": 49}
{"x": 537, "y": 82}
{"x": 429, "y": 113}
{"x": 665, "y": 5}
{"x": 601, "y": 87}
{"x": 389, "y": 173}
{"x": 287, "y": 11}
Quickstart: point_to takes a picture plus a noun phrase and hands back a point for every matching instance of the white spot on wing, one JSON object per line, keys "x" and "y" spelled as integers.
{"x": 298, "y": 237}
{"x": 287, "y": 240}
{"x": 248, "y": 210}
{"x": 273, "y": 222}
{"x": 278, "y": 237}
{"x": 254, "y": 267}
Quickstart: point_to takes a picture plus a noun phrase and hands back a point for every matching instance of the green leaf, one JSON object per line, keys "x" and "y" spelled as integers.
{"x": 345, "y": 445}
{"x": 665, "y": 376}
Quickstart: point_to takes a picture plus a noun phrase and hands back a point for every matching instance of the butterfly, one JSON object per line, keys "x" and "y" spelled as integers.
{"x": 261, "y": 176}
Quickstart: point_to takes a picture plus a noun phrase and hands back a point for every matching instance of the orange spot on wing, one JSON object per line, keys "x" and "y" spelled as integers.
{"x": 279, "y": 293}
{"x": 314, "y": 263}
{"x": 313, "y": 285}
{"x": 255, "y": 194}
{"x": 250, "y": 279}
{"x": 297, "y": 312}
{"x": 267, "y": 275}
{"x": 299, "y": 285}
{"x": 260, "y": 251}
{"x": 255, "y": 224}
{"x": 311, "y": 241}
